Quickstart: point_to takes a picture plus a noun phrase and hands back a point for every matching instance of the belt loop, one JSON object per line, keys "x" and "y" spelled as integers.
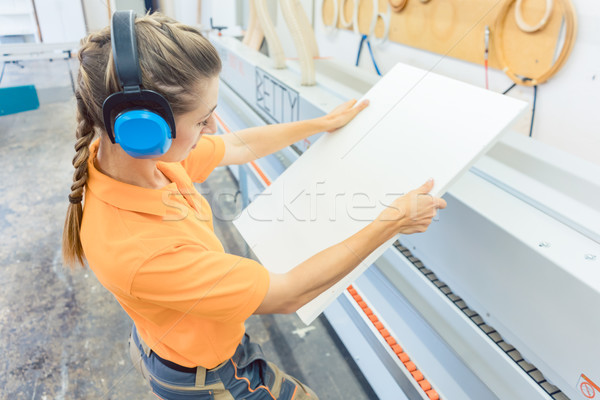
{"x": 145, "y": 347}
{"x": 200, "y": 377}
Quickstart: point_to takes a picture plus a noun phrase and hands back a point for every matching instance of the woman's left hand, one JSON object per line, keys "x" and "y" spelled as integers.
{"x": 343, "y": 114}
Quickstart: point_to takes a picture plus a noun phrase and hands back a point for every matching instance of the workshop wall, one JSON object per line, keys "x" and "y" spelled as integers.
{"x": 567, "y": 111}
{"x": 566, "y": 117}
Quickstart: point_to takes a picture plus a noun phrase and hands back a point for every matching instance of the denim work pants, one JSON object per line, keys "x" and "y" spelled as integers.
{"x": 246, "y": 375}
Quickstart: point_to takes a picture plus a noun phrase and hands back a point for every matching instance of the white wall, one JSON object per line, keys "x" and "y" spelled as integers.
{"x": 186, "y": 11}
{"x": 568, "y": 106}
{"x": 96, "y": 14}
{"x": 60, "y": 20}
{"x": 138, "y": 6}
{"x": 17, "y": 22}
{"x": 223, "y": 12}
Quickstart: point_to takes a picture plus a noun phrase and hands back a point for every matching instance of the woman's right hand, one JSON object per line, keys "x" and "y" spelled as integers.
{"x": 412, "y": 212}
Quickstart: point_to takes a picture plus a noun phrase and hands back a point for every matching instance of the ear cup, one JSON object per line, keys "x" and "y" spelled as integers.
{"x": 142, "y": 133}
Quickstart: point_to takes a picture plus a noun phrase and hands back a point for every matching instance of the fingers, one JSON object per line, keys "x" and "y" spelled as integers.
{"x": 436, "y": 202}
{"x": 344, "y": 107}
{"x": 440, "y": 203}
{"x": 426, "y": 187}
{"x": 355, "y": 106}
{"x": 350, "y": 103}
{"x": 361, "y": 106}
{"x": 421, "y": 209}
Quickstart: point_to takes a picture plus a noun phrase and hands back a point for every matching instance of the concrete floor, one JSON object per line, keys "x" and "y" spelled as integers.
{"x": 63, "y": 336}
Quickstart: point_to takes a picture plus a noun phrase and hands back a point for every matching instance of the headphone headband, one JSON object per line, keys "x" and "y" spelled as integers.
{"x": 147, "y": 124}
{"x": 124, "y": 48}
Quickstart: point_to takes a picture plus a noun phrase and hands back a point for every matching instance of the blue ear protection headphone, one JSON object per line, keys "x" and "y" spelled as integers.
{"x": 141, "y": 121}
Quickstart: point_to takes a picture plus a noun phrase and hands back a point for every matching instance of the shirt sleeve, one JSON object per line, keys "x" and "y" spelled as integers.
{"x": 209, "y": 284}
{"x": 202, "y": 160}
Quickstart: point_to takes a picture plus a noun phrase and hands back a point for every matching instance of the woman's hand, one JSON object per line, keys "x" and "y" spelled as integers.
{"x": 413, "y": 212}
{"x": 343, "y": 114}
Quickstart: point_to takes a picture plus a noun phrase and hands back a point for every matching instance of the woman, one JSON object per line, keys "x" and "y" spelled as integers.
{"x": 147, "y": 233}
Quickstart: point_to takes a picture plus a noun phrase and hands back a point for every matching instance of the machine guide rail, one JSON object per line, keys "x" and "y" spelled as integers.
{"x": 553, "y": 391}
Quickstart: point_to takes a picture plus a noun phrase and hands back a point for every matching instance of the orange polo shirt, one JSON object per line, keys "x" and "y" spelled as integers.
{"x": 157, "y": 253}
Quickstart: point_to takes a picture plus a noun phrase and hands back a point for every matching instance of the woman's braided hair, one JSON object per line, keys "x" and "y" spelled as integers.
{"x": 174, "y": 58}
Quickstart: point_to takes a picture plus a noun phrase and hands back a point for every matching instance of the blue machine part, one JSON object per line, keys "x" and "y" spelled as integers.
{"x": 17, "y": 99}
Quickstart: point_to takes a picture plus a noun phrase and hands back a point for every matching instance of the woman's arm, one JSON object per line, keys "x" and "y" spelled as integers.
{"x": 408, "y": 214}
{"x": 252, "y": 143}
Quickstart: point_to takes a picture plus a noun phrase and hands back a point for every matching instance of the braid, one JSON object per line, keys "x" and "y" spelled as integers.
{"x": 91, "y": 53}
{"x": 72, "y": 248}
{"x": 84, "y": 135}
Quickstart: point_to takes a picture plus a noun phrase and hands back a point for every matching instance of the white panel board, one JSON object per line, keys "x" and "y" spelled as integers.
{"x": 418, "y": 125}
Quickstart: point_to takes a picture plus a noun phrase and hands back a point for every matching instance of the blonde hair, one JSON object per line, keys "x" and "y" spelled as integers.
{"x": 174, "y": 58}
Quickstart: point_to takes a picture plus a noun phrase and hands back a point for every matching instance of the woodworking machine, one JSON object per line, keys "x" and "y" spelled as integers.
{"x": 500, "y": 298}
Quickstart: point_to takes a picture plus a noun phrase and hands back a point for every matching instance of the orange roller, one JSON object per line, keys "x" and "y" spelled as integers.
{"x": 397, "y": 348}
{"x": 418, "y": 375}
{"x": 410, "y": 366}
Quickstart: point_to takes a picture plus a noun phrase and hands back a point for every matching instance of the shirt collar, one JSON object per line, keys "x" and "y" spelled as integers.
{"x": 125, "y": 196}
